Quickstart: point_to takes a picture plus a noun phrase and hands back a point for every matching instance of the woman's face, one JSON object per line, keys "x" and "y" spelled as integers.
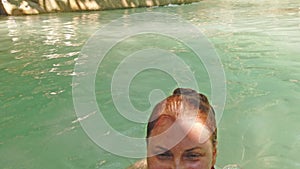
{"x": 193, "y": 151}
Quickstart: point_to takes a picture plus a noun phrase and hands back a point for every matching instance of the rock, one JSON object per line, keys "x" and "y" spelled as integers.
{"x": 27, "y": 7}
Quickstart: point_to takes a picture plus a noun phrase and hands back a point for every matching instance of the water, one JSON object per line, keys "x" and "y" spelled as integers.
{"x": 257, "y": 41}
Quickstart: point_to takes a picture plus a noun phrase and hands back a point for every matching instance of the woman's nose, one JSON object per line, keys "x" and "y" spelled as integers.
{"x": 178, "y": 164}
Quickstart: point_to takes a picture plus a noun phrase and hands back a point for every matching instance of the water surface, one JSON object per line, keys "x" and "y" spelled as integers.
{"x": 257, "y": 41}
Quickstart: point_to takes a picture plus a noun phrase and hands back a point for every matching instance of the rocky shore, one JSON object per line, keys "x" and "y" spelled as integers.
{"x": 28, "y": 7}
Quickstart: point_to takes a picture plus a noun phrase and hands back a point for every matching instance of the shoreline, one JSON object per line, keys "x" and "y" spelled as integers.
{"x": 34, "y": 7}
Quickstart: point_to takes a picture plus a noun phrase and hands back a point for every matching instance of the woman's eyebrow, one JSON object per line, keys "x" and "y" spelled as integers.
{"x": 162, "y": 148}
{"x": 195, "y": 148}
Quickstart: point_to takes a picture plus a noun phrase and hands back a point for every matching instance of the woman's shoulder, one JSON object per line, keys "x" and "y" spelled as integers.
{"x": 142, "y": 164}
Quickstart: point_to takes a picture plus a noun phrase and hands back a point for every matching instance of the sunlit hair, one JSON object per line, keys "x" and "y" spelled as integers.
{"x": 181, "y": 103}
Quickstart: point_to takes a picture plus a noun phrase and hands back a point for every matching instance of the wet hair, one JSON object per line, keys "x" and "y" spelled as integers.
{"x": 180, "y": 103}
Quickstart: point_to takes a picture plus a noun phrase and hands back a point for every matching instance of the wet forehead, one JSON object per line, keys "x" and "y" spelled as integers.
{"x": 169, "y": 133}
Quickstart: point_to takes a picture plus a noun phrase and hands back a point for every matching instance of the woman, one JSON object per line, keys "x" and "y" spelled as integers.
{"x": 181, "y": 133}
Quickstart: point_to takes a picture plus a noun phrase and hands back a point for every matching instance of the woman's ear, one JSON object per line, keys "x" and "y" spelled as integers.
{"x": 214, "y": 154}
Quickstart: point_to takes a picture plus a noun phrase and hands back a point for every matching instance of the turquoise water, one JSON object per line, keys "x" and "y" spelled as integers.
{"x": 257, "y": 42}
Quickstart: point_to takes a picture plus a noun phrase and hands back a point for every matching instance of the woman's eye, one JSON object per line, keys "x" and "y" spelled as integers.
{"x": 193, "y": 156}
{"x": 164, "y": 156}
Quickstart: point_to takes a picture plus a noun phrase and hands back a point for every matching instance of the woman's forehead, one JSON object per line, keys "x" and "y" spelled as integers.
{"x": 167, "y": 128}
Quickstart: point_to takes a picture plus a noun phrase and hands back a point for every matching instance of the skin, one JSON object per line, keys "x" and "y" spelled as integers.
{"x": 193, "y": 151}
